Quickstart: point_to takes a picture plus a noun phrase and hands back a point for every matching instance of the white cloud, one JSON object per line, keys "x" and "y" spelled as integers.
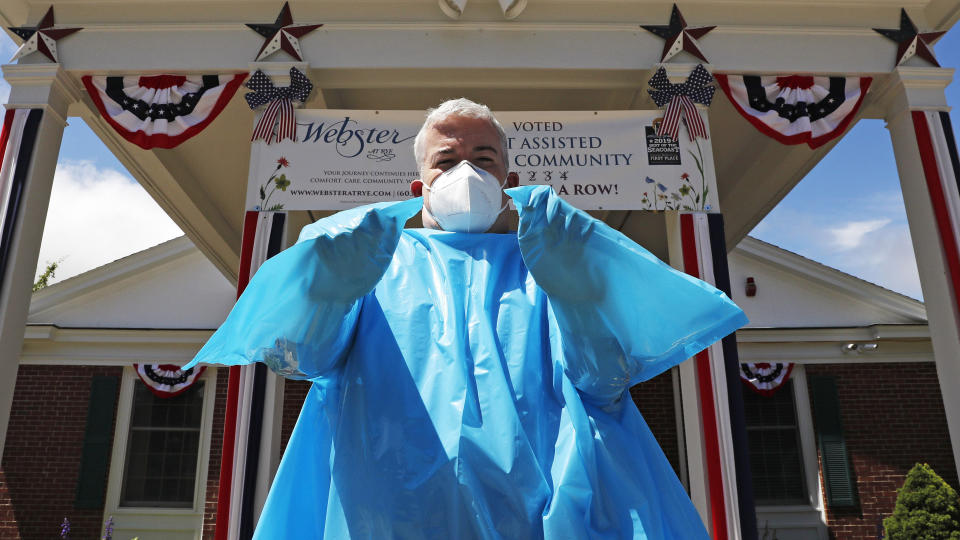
{"x": 883, "y": 256}
{"x": 877, "y": 250}
{"x": 98, "y": 215}
{"x": 851, "y": 234}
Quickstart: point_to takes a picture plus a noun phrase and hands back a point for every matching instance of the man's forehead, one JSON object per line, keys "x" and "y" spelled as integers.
{"x": 471, "y": 131}
{"x": 458, "y": 127}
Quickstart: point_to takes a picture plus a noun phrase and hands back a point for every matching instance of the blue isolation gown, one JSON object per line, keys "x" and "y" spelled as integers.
{"x": 472, "y": 386}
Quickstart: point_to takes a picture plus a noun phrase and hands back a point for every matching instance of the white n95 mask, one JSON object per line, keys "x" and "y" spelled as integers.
{"x": 465, "y": 198}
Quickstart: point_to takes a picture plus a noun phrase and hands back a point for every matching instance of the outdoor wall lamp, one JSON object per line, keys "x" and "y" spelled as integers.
{"x": 858, "y": 347}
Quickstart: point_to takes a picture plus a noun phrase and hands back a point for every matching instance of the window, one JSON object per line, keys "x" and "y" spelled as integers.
{"x": 162, "y": 449}
{"x": 773, "y": 438}
{"x": 158, "y": 465}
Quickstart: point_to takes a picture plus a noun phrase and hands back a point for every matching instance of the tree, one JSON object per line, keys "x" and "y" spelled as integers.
{"x": 927, "y": 508}
{"x": 46, "y": 276}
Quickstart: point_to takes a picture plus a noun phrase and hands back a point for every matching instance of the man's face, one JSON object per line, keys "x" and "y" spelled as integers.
{"x": 458, "y": 138}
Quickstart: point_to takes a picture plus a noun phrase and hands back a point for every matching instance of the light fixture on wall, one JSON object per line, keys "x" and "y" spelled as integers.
{"x": 858, "y": 347}
{"x": 751, "y": 287}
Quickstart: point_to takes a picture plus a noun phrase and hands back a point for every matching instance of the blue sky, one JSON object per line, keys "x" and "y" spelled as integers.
{"x": 847, "y": 212}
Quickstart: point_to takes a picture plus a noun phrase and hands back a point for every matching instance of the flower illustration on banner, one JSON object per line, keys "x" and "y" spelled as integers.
{"x": 700, "y": 201}
{"x": 687, "y": 197}
{"x": 274, "y": 183}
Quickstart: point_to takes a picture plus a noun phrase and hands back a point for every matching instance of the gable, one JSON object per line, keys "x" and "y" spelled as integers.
{"x": 168, "y": 286}
{"x": 793, "y": 291}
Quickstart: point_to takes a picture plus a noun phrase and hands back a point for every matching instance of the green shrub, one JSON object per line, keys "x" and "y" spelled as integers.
{"x": 927, "y": 508}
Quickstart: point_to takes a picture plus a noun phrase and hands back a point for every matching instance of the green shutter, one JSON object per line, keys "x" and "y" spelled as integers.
{"x": 838, "y": 481}
{"x": 92, "y": 480}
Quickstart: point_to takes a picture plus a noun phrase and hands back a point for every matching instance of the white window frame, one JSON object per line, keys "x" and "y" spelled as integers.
{"x": 147, "y": 523}
{"x": 800, "y": 520}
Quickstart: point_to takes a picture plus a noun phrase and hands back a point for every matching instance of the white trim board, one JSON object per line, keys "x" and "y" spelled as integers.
{"x": 894, "y": 343}
{"x": 50, "y": 345}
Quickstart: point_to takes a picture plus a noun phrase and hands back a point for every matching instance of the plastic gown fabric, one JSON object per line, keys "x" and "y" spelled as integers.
{"x": 472, "y": 385}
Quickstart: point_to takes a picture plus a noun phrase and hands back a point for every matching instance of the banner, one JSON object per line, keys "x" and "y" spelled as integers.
{"x": 596, "y": 160}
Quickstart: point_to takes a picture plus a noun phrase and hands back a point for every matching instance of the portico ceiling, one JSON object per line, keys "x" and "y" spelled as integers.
{"x": 557, "y": 55}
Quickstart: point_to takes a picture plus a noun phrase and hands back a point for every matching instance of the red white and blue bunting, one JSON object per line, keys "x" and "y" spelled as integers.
{"x": 161, "y": 111}
{"x": 765, "y": 378}
{"x": 796, "y": 109}
{"x": 167, "y": 380}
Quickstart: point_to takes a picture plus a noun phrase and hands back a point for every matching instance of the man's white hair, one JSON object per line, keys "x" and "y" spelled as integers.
{"x": 458, "y": 107}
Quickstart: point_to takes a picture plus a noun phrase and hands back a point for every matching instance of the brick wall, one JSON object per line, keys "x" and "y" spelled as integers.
{"x": 654, "y": 398}
{"x": 294, "y": 392}
{"x": 41, "y": 460}
{"x": 216, "y": 447}
{"x": 892, "y": 418}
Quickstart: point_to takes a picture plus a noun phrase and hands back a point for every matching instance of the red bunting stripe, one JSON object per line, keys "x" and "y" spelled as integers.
{"x": 938, "y": 199}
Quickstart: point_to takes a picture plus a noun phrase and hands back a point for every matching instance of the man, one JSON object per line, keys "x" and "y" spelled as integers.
{"x": 461, "y": 130}
{"x": 469, "y": 382}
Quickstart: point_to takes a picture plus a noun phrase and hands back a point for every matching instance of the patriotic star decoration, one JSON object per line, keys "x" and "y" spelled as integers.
{"x": 282, "y": 35}
{"x": 42, "y": 37}
{"x": 911, "y": 43}
{"x": 679, "y": 37}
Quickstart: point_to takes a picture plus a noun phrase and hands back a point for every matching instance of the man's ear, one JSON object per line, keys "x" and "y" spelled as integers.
{"x": 513, "y": 180}
{"x": 416, "y": 187}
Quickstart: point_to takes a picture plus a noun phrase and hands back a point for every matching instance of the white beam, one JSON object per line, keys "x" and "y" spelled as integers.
{"x": 515, "y": 46}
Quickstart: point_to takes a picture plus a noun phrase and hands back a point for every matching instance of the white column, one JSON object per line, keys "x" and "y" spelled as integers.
{"x": 914, "y": 99}
{"x": 45, "y": 87}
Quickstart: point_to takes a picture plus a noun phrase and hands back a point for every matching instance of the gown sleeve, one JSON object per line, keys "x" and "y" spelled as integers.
{"x": 299, "y": 312}
{"x": 624, "y": 316}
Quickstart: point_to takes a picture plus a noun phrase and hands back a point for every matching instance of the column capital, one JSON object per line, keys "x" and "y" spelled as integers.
{"x": 45, "y": 86}
{"x": 914, "y": 89}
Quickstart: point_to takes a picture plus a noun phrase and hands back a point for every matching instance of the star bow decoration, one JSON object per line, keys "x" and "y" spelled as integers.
{"x": 679, "y": 37}
{"x": 911, "y": 42}
{"x": 282, "y": 35}
{"x": 680, "y": 100}
{"x": 42, "y": 37}
{"x": 279, "y": 101}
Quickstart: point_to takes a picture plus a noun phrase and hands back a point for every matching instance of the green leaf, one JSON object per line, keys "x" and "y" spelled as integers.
{"x": 46, "y": 276}
{"x": 263, "y": 194}
{"x": 699, "y": 166}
